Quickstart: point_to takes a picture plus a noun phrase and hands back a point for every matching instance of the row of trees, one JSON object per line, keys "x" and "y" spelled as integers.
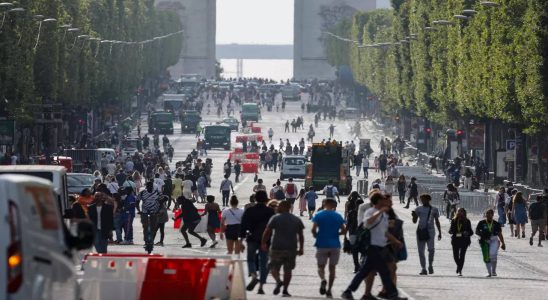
{"x": 493, "y": 65}
{"x": 75, "y": 71}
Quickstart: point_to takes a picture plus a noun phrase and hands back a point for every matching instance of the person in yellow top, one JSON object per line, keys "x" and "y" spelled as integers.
{"x": 177, "y": 183}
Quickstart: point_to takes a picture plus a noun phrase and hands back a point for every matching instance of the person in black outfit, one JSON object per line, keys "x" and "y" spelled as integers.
{"x": 351, "y": 218}
{"x": 413, "y": 192}
{"x": 254, "y": 222}
{"x": 103, "y": 225}
{"x": 460, "y": 231}
{"x": 237, "y": 170}
{"x": 191, "y": 219}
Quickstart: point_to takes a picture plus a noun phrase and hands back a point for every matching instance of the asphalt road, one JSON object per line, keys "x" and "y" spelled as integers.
{"x": 522, "y": 269}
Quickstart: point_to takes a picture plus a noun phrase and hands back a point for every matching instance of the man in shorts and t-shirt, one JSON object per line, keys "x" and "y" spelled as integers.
{"x": 291, "y": 192}
{"x": 330, "y": 191}
{"x": 284, "y": 228}
{"x": 311, "y": 198}
{"x": 328, "y": 225}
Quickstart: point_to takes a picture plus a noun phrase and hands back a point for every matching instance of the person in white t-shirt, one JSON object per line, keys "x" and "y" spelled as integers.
{"x": 187, "y": 188}
{"x": 231, "y": 220}
{"x": 365, "y": 166}
{"x": 291, "y": 192}
{"x": 158, "y": 184}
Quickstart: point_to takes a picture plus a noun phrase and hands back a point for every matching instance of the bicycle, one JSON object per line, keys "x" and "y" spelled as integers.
{"x": 149, "y": 232}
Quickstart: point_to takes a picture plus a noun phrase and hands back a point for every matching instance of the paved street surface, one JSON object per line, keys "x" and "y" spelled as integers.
{"x": 522, "y": 269}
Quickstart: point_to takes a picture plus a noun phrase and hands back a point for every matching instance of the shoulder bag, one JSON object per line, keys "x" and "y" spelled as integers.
{"x": 423, "y": 234}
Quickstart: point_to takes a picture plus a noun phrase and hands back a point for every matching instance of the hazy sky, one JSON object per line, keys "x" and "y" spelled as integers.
{"x": 255, "y": 21}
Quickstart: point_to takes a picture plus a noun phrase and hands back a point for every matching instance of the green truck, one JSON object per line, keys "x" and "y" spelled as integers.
{"x": 217, "y": 136}
{"x": 190, "y": 119}
{"x": 329, "y": 161}
{"x": 161, "y": 122}
{"x": 250, "y": 112}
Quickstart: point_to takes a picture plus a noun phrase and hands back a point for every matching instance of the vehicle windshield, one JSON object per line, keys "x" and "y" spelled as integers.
{"x": 130, "y": 144}
{"x": 163, "y": 117}
{"x": 249, "y": 109}
{"x": 80, "y": 180}
{"x": 213, "y": 130}
{"x": 295, "y": 161}
{"x": 173, "y": 105}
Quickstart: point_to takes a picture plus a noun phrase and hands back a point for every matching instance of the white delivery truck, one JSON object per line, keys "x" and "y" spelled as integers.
{"x": 35, "y": 245}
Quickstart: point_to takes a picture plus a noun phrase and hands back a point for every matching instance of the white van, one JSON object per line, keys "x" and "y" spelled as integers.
{"x": 293, "y": 166}
{"x": 56, "y": 174}
{"x": 35, "y": 245}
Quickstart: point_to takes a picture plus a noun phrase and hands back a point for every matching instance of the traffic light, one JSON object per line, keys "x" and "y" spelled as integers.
{"x": 428, "y": 132}
{"x": 460, "y": 135}
{"x": 81, "y": 122}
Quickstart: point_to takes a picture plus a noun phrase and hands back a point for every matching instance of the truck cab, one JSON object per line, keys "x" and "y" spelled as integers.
{"x": 36, "y": 247}
{"x": 161, "y": 121}
{"x": 329, "y": 162}
{"x": 190, "y": 119}
{"x": 217, "y": 136}
{"x": 250, "y": 112}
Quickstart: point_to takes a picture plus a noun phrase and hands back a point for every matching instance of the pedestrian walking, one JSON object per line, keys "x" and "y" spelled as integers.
{"x": 231, "y": 220}
{"x": 460, "y": 231}
{"x": 351, "y": 218}
{"x": 287, "y": 242}
{"x": 163, "y": 217}
{"x": 413, "y": 192}
{"x": 311, "y": 198}
{"x": 291, "y": 192}
{"x": 501, "y": 200}
{"x": 212, "y": 211}
{"x": 365, "y": 166}
{"x": 378, "y": 252}
{"x": 328, "y": 225}
{"x": 302, "y": 202}
{"x": 177, "y": 190}
{"x": 254, "y": 221}
{"x": 401, "y": 186}
{"x": 128, "y": 202}
{"x": 451, "y": 198}
{"x": 426, "y": 215}
{"x": 101, "y": 215}
{"x": 538, "y": 215}
{"x": 191, "y": 219}
{"x": 519, "y": 213}
{"x": 237, "y": 171}
{"x": 490, "y": 233}
{"x": 201, "y": 187}
{"x": 330, "y": 191}
{"x": 225, "y": 188}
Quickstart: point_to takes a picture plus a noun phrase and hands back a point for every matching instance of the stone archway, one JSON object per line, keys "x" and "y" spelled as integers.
{"x": 312, "y": 17}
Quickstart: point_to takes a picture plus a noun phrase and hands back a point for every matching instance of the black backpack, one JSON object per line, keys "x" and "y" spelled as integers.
{"x": 279, "y": 194}
{"x": 363, "y": 237}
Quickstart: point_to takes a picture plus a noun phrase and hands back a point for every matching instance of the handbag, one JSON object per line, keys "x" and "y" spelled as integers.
{"x": 162, "y": 215}
{"x": 402, "y": 252}
{"x": 423, "y": 234}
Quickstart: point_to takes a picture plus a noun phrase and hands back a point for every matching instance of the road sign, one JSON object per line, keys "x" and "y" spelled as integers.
{"x": 510, "y": 145}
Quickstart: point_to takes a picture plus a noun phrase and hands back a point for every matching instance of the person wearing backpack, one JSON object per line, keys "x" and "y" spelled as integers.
{"x": 330, "y": 191}
{"x": 278, "y": 192}
{"x": 377, "y": 248}
{"x": 426, "y": 215}
{"x": 291, "y": 192}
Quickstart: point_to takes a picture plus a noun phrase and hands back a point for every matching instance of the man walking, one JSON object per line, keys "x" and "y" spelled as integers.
{"x": 365, "y": 166}
{"x": 226, "y": 186}
{"x": 284, "y": 228}
{"x": 254, "y": 221}
{"x": 328, "y": 225}
{"x": 413, "y": 192}
{"x": 426, "y": 215}
{"x": 378, "y": 252}
{"x": 358, "y": 163}
{"x": 537, "y": 214}
{"x": 330, "y": 191}
{"x": 291, "y": 193}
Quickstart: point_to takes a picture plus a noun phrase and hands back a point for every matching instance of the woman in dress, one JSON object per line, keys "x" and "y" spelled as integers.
{"x": 490, "y": 233}
{"x": 402, "y": 188}
{"x": 201, "y": 185}
{"x": 177, "y": 183}
{"x": 302, "y": 202}
{"x": 212, "y": 210}
{"x": 231, "y": 220}
{"x": 520, "y": 213}
{"x": 460, "y": 231}
{"x": 137, "y": 179}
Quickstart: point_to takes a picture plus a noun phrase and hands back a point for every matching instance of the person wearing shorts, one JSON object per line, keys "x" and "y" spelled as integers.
{"x": 328, "y": 225}
{"x": 285, "y": 229}
{"x": 311, "y": 197}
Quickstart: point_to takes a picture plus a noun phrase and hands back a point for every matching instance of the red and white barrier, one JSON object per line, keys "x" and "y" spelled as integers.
{"x": 155, "y": 277}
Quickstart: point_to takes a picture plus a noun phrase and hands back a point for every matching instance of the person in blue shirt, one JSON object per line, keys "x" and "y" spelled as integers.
{"x": 328, "y": 226}
{"x": 128, "y": 215}
{"x": 310, "y": 198}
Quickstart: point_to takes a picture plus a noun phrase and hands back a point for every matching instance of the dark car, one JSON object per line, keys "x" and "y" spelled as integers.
{"x": 233, "y": 123}
{"x": 76, "y": 182}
